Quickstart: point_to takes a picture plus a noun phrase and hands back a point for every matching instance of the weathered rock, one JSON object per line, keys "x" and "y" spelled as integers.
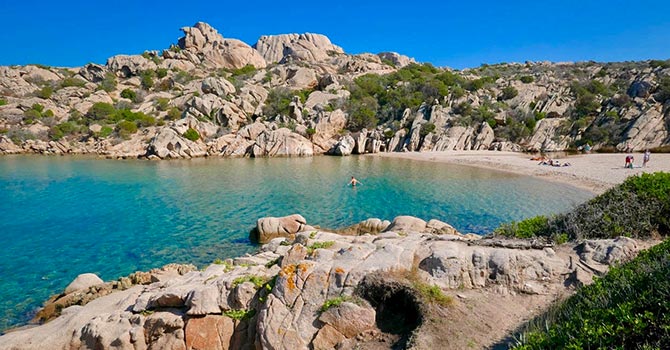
{"x": 373, "y": 225}
{"x": 129, "y": 65}
{"x": 92, "y": 72}
{"x": 209, "y": 332}
{"x": 406, "y": 224}
{"x": 397, "y": 59}
{"x": 203, "y": 44}
{"x": 83, "y": 281}
{"x": 349, "y": 319}
{"x": 345, "y": 146}
{"x": 218, "y": 87}
{"x": 287, "y": 226}
{"x": 302, "y": 47}
{"x": 283, "y": 143}
{"x": 169, "y": 144}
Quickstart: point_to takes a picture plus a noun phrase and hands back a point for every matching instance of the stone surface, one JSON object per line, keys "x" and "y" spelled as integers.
{"x": 287, "y": 226}
{"x": 83, "y": 281}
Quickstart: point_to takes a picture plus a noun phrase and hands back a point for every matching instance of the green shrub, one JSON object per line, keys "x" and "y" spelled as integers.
{"x": 508, "y": 93}
{"x": 37, "y": 107}
{"x": 108, "y": 83}
{"x": 126, "y": 128}
{"x": 277, "y": 102}
{"x": 257, "y": 281}
{"x": 663, "y": 90}
{"x": 191, "y": 134}
{"x": 319, "y": 245}
{"x": 427, "y": 129}
{"x": 162, "y": 103}
{"x": 45, "y": 92}
{"x": 432, "y": 293}
{"x": 310, "y": 132}
{"x": 334, "y": 302}
{"x": 161, "y": 73}
{"x": 173, "y": 114}
{"x": 71, "y": 81}
{"x": 3, "y": 102}
{"x": 147, "y": 79}
{"x": 638, "y": 208}
{"x": 628, "y": 308}
{"x": 246, "y": 70}
{"x": 100, "y": 111}
{"x": 105, "y": 131}
{"x": 240, "y": 315}
{"x": 129, "y": 94}
{"x": 59, "y": 131}
{"x": 527, "y": 79}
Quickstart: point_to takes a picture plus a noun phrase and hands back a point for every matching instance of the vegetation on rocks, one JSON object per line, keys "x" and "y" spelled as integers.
{"x": 628, "y": 308}
{"x": 638, "y": 208}
{"x": 191, "y": 134}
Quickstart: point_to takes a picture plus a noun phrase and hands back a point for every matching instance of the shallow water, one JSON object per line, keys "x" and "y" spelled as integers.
{"x": 63, "y": 216}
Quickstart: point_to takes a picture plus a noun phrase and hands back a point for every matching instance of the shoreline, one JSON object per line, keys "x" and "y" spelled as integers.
{"x": 595, "y": 172}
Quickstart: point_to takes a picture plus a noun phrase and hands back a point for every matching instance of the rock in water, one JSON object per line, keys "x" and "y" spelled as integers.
{"x": 83, "y": 281}
{"x": 287, "y": 226}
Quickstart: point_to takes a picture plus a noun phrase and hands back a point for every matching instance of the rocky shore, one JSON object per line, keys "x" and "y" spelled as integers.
{"x": 301, "y": 95}
{"x": 401, "y": 284}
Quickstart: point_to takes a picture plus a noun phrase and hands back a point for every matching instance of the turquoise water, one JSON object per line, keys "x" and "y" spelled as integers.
{"x": 63, "y": 216}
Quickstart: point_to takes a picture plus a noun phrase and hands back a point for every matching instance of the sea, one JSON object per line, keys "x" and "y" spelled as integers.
{"x": 64, "y": 216}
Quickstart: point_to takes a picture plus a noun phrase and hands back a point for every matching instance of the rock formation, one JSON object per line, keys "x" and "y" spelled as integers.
{"x": 314, "y": 290}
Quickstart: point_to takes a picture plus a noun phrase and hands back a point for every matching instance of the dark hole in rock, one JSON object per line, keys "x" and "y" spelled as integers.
{"x": 398, "y": 309}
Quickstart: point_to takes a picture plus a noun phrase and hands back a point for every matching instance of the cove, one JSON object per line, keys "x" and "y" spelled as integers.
{"x": 63, "y": 216}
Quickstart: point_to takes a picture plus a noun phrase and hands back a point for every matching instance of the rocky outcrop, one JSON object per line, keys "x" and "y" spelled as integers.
{"x": 168, "y": 143}
{"x": 287, "y": 226}
{"x": 397, "y": 59}
{"x": 127, "y": 66}
{"x": 299, "y": 47}
{"x": 83, "y": 281}
{"x": 316, "y": 290}
{"x": 203, "y": 44}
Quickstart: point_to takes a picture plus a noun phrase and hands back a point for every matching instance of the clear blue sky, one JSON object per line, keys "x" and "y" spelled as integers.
{"x": 446, "y": 33}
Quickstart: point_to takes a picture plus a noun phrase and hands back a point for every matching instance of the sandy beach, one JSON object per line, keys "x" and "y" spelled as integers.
{"x": 595, "y": 172}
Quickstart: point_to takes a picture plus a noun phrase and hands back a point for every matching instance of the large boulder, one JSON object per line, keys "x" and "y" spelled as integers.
{"x": 406, "y": 224}
{"x": 203, "y": 44}
{"x": 301, "y": 47}
{"x": 168, "y": 143}
{"x": 271, "y": 227}
{"x": 129, "y": 65}
{"x": 397, "y": 59}
{"x": 283, "y": 143}
{"x": 345, "y": 146}
{"x": 83, "y": 281}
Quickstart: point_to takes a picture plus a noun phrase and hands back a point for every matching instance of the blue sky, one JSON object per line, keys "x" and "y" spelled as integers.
{"x": 446, "y": 33}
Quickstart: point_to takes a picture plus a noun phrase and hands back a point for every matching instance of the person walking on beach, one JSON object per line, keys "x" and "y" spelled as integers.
{"x": 645, "y": 158}
{"x": 354, "y": 182}
{"x": 629, "y": 161}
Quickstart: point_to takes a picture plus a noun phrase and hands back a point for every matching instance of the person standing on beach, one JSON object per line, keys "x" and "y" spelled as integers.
{"x": 354, "y": 182}
{"x": 629, "y": 161}
{"x": 645, "y": 158}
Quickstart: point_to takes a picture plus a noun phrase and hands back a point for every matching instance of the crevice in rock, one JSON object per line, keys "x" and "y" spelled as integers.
{"x": 397, "y": 306}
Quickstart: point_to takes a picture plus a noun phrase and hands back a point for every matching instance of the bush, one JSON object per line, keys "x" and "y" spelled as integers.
{"x": 129, "y": 94}
{"x": 100, "y": 111}
{"x": 277, "y": 102}
{"x": 663, "y": 90}
{"x": 108, "y": 83}
{"x": 191, "y": 134}
{"x": 427, "y": 129}
{"x": 162, "y": 103}
{"x": 147, "y": 79}
{"x": 3, "y": 102}
{"x": 59, "y": 131}
{"x": 71, "y": 81}
{"x": 161, "y": 73}
{"x": 638, "y": 208}
{"x": 45, "y": 92}
{"x": 527, "y": 79}
{"x": 626, "y": 309}
{"x": 508, "y": 93}
{"x": 173, "y": 114}
{"x": 105, "y": 131}
{"x": 126, "y": 128}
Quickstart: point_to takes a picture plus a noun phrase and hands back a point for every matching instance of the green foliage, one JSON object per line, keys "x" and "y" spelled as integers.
{"x": 100, "y": 111}
{"x": 508, "y": 92}
{"x": 310, "y": 132}
{"x": 3, "y": 102}
{"x": 129, "y": 94}
{"x": 108, "y": 83}
{"x": 362, "y": 113}
{"x": 663, "y": 90}
{"x": 659, "y": 63}
{"x": 161, "y": 73}
{"x": 105, "y": 131}
{"x": 277, "y": 102}
{"x": 191, "y": 134}
{"x": 432, "y": 293}
{"x": 334, "y": 302}
{"x": 37, "y": 107}
{"x": 71, "y": 81}
{"x": 319, "y": 245}
{"x": 427, "y": 129}
{"x": 638, "y": 208}
{"x": 535, "y": 226}
{"x": 173, "y": 114}
{"x": 244, "y": 71}
{"x": 59, "y": 131}
{"x": 125, "y": 128}
{"x": 147, "y": 79}
{"x": 628, "y": 308}
{"x": 162, "y": 103}
{"x": 527, "y": 79}
{"x": 257, "y": 281}
{"x": 240, "y": 315}
{"x": 45, "y": 92}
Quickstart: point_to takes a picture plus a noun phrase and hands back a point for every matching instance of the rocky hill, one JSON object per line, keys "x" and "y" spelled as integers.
{"x": 301, "y": 95}
{"x": 414, "y": 285}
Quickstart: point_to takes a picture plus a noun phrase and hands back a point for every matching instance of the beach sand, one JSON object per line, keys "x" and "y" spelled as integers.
{"x": 595, "y": 172}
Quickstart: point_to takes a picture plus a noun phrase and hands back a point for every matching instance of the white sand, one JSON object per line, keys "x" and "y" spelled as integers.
{"x": 594, "y": 172}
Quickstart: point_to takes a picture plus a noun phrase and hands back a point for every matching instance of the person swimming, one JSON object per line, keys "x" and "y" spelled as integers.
{"x": 354, "y": 182}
